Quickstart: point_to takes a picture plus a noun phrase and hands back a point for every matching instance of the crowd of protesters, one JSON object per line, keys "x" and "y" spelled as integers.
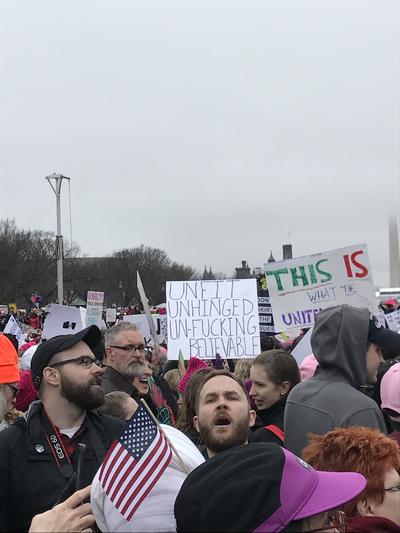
{"x": 260, "y": 444}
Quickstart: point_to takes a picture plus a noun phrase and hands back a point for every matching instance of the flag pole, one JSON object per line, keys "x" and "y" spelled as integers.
{"x": 180, "y": 460}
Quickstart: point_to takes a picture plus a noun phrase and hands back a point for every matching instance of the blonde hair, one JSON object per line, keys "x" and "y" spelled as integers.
{"x": 173, "y": 377}
{"x": 242, "y": 369}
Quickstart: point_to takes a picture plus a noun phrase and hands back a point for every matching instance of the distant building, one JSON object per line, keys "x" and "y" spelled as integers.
{"x": 271, "y": 258}
{"x": 243, "y": 272}
{"x": 208, "y": 275}
{"x": 287, "y": 251}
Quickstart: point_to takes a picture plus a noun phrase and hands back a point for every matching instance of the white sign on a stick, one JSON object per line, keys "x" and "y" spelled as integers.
{"x": 111, "y": 314}
{"x": 94, "y": 308}
{"x": 300, "y": 288}
{"x": 62, "y": 320}
{"x": 13, "y": 328}
{"x": 210, "y": 317}
{"x": 393, "y": 320}
{"x": 142, "y": 323}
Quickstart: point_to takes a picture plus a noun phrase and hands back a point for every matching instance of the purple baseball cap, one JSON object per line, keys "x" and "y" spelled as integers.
{"x": 259, "y": 487}
{"x": 306, "y": 492}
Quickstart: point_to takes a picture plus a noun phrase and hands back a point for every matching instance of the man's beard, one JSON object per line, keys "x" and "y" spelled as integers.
{"x": 84, "y": 396}
{"x": 133, "y": 370}
{"x": 219, "y": 443}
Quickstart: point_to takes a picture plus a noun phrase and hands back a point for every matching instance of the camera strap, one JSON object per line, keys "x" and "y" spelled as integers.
{"x": 57, "y": 447}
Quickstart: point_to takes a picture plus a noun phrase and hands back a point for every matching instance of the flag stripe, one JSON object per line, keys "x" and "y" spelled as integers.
{"x": 143, "y": 476}
{"x": 126, "y": 458}
{"x": 106, "y": 458}
{"x": 108, "y": 464}
{"x": 150, "y": 484}
{"x": 118, "y": 456}
{"x": 132, "y": 473}
{"x": 136, "y": 472}
{"x": 135, "y": 463}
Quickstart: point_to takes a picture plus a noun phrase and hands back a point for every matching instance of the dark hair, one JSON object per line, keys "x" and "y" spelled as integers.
{"x": 214, "y": 374}
{"x": 171, "y": 365}
{"x": 187, "y": 409}
{"x": 267, "y": 342}
{"x": 280, "y": 366}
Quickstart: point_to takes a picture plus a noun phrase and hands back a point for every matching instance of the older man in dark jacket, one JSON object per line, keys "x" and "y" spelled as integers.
{"x": 129, "y": 372}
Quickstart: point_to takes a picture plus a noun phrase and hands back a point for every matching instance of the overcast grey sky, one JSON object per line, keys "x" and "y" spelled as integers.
{"x": 207, "y": 128}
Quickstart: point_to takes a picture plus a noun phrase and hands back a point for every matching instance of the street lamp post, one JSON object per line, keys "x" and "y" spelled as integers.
{"x": 55, "y": 181}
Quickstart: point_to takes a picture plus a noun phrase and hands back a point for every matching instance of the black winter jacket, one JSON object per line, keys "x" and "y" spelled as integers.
{"x": 266, "y": 417}
{"x": 112, "y": 380}
{"x": 30, "y": 479}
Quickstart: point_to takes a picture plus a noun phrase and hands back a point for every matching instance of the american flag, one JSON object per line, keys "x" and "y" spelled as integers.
{"x": 134, "y": 463}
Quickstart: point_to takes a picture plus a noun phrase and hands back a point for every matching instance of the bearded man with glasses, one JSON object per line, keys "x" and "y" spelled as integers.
{"x": 128, "y": 371}
{"x": 59, "y": 444}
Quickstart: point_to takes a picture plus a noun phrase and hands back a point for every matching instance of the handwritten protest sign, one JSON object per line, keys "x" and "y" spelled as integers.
{"x": 94, "y": 308}
{"x": 300, "y": 288}
{"x": 62, "y": 320}
{"x": 13, "y": 328}
{"x": 393, "y": 320}
{"x": 142, "y": 323}
{"x": 210, "y": 317}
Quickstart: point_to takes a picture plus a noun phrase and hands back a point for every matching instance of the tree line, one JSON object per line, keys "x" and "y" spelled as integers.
{"x": 28, "y": 260}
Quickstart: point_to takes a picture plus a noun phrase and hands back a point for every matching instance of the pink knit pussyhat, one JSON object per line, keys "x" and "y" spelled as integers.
{"x": 194, "y": 365}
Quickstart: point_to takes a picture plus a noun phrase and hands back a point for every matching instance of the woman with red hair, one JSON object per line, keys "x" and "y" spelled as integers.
{"x": 377, "y": 457}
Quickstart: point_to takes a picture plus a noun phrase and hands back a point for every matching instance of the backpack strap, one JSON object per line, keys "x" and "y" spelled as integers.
{"x": 276, "y": 431}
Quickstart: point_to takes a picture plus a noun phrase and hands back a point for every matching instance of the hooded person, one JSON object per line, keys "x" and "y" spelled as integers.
{"x": 347, "y": 343}
{"x": 156, "y": 512}
{"x": 261, "y": 487}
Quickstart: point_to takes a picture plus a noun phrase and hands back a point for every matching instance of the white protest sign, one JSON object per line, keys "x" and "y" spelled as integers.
{"x": 300, "y": 288}
{"x": 210, "y": 317}
{"x": 62, "y": 320}
{"x": 142, "y": 323}
{"x": 94, "y": 308}
{"x": 111, "y": 314}
{"x": 13, "y": 328}
{"x": 393, "y": 320}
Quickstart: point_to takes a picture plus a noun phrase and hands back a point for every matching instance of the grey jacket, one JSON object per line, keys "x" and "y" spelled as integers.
{"x": 331, "y": 398}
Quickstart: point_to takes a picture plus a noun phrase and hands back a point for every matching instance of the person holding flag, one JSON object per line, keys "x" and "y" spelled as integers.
{"x": 136, "y": 486}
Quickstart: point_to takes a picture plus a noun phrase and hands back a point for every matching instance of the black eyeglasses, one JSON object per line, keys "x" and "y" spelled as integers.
{"x": 83, "y": 360}
{"x": 15, "y": 390}
{"x": 131, "y": 348}
{"x": 396, "y": 488}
